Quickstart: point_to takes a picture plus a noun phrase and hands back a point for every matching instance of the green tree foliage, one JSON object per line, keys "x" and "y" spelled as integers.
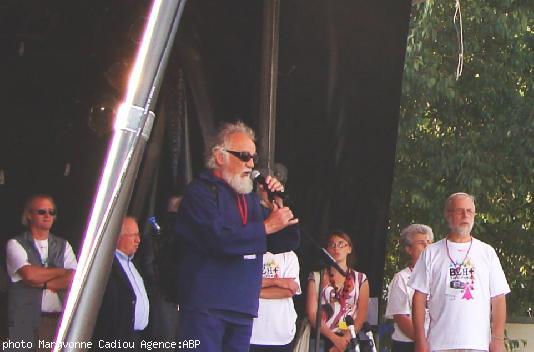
{"x": 474, "y": 134}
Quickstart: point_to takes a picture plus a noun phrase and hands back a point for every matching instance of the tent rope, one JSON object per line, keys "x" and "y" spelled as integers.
{"x": 460, "y": 38}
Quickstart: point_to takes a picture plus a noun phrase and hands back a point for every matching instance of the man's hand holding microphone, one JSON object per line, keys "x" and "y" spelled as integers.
{"x": 272, "y": 195}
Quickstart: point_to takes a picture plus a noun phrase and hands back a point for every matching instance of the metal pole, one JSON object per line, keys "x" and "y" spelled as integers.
{"x": 132, "y": 129}
{"x": 268, "y": 82}
{"x": 318, "y": 320}
{"x": 188, "y": 163}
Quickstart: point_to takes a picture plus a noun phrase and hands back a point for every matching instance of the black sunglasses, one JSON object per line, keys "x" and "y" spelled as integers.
{"x": 51, "y": 212}
{"x": 244, "y": 156}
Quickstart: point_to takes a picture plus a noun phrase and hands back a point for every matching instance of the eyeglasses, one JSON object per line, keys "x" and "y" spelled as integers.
{"x": 243, "y": 156}
{"x": 461, "y": 211}
{"x": 340, "y": 244}
{"x": 51, "y": 212}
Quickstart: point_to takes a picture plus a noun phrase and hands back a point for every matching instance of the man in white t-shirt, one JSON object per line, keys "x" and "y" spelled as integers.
{"x": 466, "y": 284}
{"x": 41, "y": 268}
{"x": 413, "y": 239}
{"x": 274, "y": 328}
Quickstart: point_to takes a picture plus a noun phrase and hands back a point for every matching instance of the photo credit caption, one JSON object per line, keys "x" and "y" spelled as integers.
{"x": 143, "y": 345}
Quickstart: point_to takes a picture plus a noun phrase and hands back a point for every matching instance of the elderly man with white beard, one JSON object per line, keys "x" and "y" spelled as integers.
{"x": 223, "y": 233}
{"x": 466, "y": 286}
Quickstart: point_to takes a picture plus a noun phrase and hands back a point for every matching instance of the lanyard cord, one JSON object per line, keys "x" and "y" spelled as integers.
{"x": 466, "y": 254}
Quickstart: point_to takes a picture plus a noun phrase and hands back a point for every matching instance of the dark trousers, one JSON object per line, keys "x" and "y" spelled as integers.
{"x": 46, "y": 330}
{"x": 267, "y": 348}
{"x": 214, "y": 333}
{"x": 399, "y": 346}
{"x": 163, "y": 318}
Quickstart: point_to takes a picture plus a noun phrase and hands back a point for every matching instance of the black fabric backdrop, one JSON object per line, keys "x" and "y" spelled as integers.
{"x": 340, "y": 71}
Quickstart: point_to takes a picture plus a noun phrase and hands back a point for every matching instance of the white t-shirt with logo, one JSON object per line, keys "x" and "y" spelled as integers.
{"x": 17, "y": 258}
{"x": 461, "y": 279}
{"x": 275, "y": 324}
{"x": 400, "y": 302}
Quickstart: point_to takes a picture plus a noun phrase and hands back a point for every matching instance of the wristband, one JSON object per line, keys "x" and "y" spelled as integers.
{"x": 498, "y": 337}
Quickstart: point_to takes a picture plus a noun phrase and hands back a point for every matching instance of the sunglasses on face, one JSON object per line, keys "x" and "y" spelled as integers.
{"x": 243, "y": 156}
{"x": 51, "y": 212}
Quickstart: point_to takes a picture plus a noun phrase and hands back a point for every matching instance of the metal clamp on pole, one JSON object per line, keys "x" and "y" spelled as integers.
{"x": 133, "y": 125}
{"x": 135, "y": 121}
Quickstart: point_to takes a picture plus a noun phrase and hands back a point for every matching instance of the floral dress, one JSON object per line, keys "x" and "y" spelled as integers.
{"x": 338, "y": 302}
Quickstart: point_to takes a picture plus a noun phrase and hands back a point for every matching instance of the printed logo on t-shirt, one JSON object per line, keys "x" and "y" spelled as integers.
{"x": 461, "y": 280}
{"x": 271, "y": 269}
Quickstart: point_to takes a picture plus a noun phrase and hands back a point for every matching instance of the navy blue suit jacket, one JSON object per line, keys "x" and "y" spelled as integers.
{"x": 221, "y": 258}
{"x": 117, "y": 312}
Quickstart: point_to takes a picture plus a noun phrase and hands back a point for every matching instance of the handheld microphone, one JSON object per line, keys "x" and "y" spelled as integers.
{"x": 259, "y": 178}
{"x": 154, "y": 225}
{"x": 354, "y": 337}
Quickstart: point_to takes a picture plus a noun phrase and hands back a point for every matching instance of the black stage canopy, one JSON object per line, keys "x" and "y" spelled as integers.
{"x": 340, "y": 65}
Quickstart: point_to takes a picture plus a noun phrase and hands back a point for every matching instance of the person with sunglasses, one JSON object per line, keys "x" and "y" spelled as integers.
{"x": 223, "y": 233}
{"x": 413, "y": 239}
{"x": 41, "y": 268}
{"x": 340, "y": 296}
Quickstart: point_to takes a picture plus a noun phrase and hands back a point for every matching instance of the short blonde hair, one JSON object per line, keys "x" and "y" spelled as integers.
{"x": 28, "y": 206}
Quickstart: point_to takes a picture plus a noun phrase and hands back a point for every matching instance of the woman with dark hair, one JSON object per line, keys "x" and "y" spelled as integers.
{"x": 341, "y": 296}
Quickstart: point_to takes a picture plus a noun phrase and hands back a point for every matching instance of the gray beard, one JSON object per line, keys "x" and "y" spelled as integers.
{"x": 239, "y": 184}
{"x": 462, "y": 230}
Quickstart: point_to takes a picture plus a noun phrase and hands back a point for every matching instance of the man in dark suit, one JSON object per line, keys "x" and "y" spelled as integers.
{"x": 125, "y": 307}
{"x": 224, "y": 232}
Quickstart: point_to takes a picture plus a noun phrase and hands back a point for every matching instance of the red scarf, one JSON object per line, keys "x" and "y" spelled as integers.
{"x": 242, "y": 206}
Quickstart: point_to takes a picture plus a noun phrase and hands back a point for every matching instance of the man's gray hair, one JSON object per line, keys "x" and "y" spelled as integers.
{"x": 28, "y": 207}
{"x": 220, "y": 141}
{"x": 128, "y": 217}
{"x": 449, "y": 200}
{"x": 408, "y": 232}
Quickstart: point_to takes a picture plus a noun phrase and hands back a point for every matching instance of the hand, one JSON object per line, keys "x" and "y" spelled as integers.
{"x": 422, "y": 346}
{"x": 497, "y": 345}
{"x": 70, "y": 273}
{"x": 290, "y": 284}
{"x": 347, "y": 336}
{"x": 340, "y": 343}
{"x": 273, "y": 185}
{"x": 279, "y": 219}
{"x": 33, "y": 284}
